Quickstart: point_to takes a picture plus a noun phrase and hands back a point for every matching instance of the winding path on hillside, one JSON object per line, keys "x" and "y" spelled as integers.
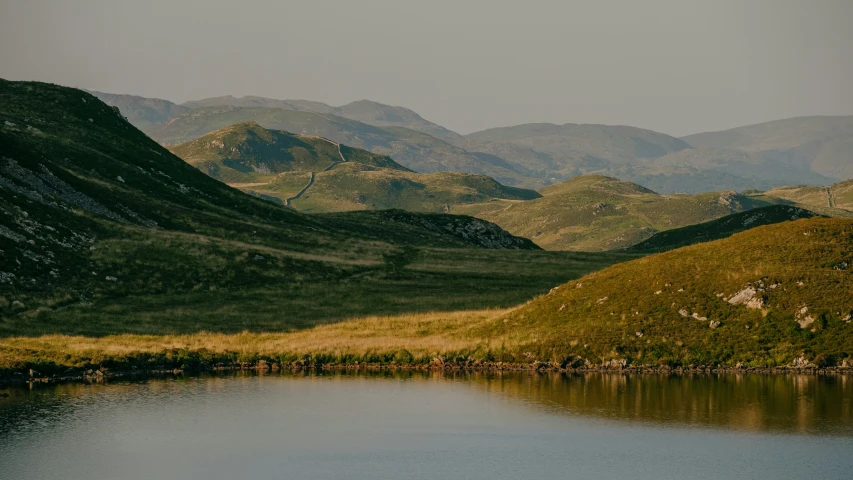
{"x": 829, "y": 198}
{"x": 313, "y": 175}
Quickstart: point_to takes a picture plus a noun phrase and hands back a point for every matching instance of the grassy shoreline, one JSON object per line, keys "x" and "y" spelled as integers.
{"x": 432, "y": 341}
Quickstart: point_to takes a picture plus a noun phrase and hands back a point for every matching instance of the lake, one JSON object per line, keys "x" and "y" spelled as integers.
{"x": 415, "y": 425}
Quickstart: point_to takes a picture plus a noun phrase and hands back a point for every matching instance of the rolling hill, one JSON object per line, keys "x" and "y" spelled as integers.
{"x": 721, "y": 228}
{"x": 248, "y": 153}
{"x": 595, "y": 212}
{"x": 821, "y": 144}
{"x": 355, "y": 186}
{"x": 834, "y": 197}
{"x": 773, "y": 295}
{"x": 365, "y": 111}
{"x": 314, "y": 174}
{"x": 414, "y": 150}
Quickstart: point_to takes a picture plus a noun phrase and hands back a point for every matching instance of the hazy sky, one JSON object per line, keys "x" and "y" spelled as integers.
{"x": 677, "y": 66}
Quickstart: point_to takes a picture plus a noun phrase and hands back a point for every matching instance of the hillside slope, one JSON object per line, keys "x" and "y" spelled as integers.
{"x": 767, "y": 296}
{"x": 821, "y": 144}
{"x": 356, "y": 186}
{"x": 142, "y": 112}
{"x": 594, "y": 212}
{"x": 248, "y": 153}
{"x": 720, "y": 228}
{"x": 836, "y": 196}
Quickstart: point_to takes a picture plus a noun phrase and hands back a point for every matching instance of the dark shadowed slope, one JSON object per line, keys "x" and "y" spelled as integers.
{"x": 720, "y": 228}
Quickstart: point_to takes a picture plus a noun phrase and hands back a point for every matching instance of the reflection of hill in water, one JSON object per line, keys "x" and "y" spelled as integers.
{"x": 784, "y": 403}
{"x": 760, "y": 403}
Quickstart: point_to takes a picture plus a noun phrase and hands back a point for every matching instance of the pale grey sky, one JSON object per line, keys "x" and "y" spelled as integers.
{"x": 675, "y": 66}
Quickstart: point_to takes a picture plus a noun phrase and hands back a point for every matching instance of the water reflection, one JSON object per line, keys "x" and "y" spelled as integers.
{"x": 803, "y": 404}
{"x": 782, "y": 403}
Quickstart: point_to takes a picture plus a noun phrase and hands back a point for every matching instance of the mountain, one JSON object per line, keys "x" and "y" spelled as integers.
{"x": 248, "y": 153}
{"x": 821, "y": 144}
{"x": 140, "y": 111}
{"x": 701, "y": 170}
{"x": 562, "y": 151}
{"x": 414, "y": 150}
{"x": 595, "y": 212}
{"x": 100, "y": 224}
{"x": 721, "y": 228}
{"x": 657, "y": 161}
{"x": 253, "y": 101}
{"x": 365, "y": 111}
{"x": 382, "y": 115}
{"x": 773, "y": 295}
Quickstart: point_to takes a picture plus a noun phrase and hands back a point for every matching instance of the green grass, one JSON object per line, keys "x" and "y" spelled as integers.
{"x": 632, "y": 311}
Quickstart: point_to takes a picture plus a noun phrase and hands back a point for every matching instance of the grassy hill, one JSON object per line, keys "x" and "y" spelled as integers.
{"x": 104, "y": 231}
{"x": 355, "y": 186}
{"x": 142, "y": 112}
{"x": 248, "y": 153}
{"x": 761, "y": 297}
{"x": 838, "y": 196}
{"x": 314, "y": 174}
{"x": 772, "y": 296}
{"x": 821, "y": 144}
{"x": 720, "y": 228}
{"x": 594, "y": 212}
{"x": 415, "y": 150}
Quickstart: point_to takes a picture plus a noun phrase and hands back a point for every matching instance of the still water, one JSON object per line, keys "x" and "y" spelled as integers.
{"x": 427, "y": 426}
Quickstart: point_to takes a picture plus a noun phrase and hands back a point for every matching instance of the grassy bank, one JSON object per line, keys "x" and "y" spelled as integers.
{"x": 414, "y": 338}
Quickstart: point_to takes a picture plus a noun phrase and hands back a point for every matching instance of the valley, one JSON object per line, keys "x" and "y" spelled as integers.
{"x": 110, "y": 236}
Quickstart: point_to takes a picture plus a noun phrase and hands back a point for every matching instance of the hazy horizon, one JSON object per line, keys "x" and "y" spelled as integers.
{"x": 670, "y": 66}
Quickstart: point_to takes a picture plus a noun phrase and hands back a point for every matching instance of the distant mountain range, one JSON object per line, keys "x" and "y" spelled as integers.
{"x": 804, "y": 150}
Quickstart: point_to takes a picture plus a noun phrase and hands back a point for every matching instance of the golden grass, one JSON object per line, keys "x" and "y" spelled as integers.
{"x": 422, "y": 335}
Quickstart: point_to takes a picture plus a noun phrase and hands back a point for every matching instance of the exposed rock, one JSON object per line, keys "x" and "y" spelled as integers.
{"x": 111, "y": 279}
{"x": 684, "y": 313}
{"x": 714, "y": 324}
{"x": 803, "y": 318}
{"x": 639, "y": 334}
{"x": 616, "y": 363}
{"x": 601, "y": 300}
{"x": 748, "y": 298}
{"x": 801, "y": 362}
{"x": 698, "y": 317}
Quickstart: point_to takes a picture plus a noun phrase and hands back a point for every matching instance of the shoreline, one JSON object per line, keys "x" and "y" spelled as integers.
{"x": 88, "y": 376}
